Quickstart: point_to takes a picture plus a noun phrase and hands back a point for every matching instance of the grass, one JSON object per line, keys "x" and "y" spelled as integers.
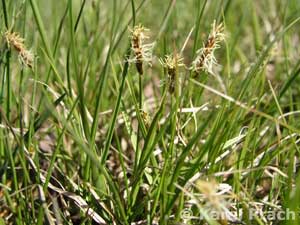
{"x": 86, "y": 139}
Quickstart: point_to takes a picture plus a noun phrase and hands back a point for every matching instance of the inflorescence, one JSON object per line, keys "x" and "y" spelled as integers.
{"x": 14, "y": 40}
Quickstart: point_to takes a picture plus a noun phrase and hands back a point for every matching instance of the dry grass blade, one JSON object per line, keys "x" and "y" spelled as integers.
{"x": 78, "y": 200}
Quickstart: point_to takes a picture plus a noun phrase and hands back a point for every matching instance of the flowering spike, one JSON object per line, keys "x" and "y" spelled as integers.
{"x": 146, "y": 118}
{"x": 171, "y": 63}
{"x": 14, "y": 40}
{"x": 205, "y": 59}
{"x": 142, "y": 52}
